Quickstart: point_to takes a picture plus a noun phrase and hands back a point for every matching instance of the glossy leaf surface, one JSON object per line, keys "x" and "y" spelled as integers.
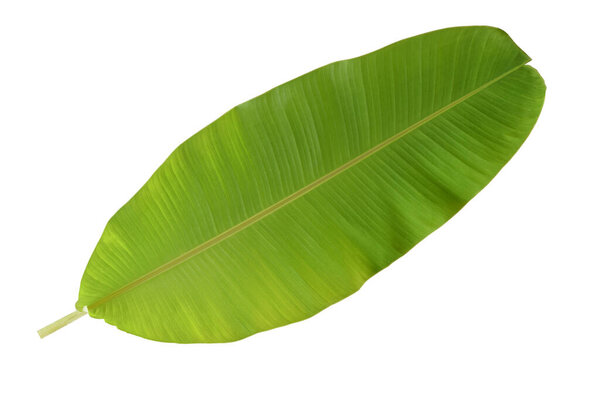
{"x": 289, "y": 202}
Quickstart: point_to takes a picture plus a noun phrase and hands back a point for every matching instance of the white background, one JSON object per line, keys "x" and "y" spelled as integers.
{"x": 503, "y": 302}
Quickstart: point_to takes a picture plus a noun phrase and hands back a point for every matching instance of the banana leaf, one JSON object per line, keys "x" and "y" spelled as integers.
{"x": 290, "y": 201}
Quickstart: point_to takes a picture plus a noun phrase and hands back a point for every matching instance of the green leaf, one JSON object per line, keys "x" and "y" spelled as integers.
{"x": 289, "y": 202}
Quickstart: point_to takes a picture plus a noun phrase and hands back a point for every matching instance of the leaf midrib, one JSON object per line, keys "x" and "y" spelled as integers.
{"x": 299, "y": 193}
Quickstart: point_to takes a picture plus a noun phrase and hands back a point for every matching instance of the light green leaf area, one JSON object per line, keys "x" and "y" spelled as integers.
{"x": 289, "y": 202}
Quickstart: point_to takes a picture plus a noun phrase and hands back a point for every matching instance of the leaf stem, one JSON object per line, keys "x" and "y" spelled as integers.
{"x": 56, "y": 325}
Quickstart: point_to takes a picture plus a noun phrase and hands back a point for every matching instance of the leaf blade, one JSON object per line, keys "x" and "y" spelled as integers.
{"x": 240, "y": 300}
